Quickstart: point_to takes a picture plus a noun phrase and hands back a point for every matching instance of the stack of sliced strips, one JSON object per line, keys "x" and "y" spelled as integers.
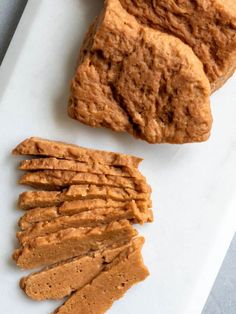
{"x": 79, "y": 225}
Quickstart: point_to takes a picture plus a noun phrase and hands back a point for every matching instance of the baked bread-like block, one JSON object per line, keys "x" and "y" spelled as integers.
{"x": 60, "y": 280}
{"x": 131, "y": 78}
{"x": 110, "y": 285}
{"x": 209, "y": 27}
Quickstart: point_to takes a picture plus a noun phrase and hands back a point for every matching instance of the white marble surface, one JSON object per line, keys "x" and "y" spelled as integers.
{"x": 10, "y": 13}
{"x": 222, "y": 298}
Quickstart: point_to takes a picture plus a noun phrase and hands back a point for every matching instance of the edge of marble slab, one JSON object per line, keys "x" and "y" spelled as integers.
{"x": 214, "y": 262}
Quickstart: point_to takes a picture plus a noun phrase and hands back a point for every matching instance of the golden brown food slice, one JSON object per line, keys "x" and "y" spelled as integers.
{"x": 42, "y": 214}
{"x": 148, "y": 83}
{"x": 33, "y": 199}
{"x": 110, "y": 285}
{"x": 52, "y": 163}
{"x": 57, "y": 179}
{"x": 92, "y": 218}
{"x": 62, "y": 279}
{"x": 38, "y": 214}
{"x": 42, "y": 147}
{"x": 209, "y": 27}
{"x": 72, "y": 242}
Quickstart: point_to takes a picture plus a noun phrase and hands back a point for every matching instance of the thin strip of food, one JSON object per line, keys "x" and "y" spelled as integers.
{"x": 40, "y": 214}
{"x": 72, "y": 242}
{"x": 62, "y": 279}
{"x": 110, "y": 285}
{"x": 43, "y": 147}
{"x": 31, "y": 199}
{"x": 93, "y": 218}
{"x": 54, "y": 179}
{"x": 52, "y": 163}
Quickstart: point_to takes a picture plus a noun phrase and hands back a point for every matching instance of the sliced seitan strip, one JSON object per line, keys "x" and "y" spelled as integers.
{"x": 110, "y": 285}
{"x": 52, "y": 163}
{"x": 208, "y": 27}
{"x": 54, "y": 179}
{"x": 74, "y": 207}
{"x": 31, "y": 199}
{"x": 42, "y": 147}
{"x": 72, "y": 242}
{"x": 61, "y": 280}
{"x": 92, "y": 218}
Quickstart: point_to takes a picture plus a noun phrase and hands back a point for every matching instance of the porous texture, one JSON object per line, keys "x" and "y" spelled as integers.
{"x": 147, "y": 83}
{"x": 52, "y": 163}
{"x": 43, "y": 214}
{"x": 110, "y": 285}
{"x": 31, "y": 199}
{"x": 92, "y": 218}
{"x": 79, "y": 224}
{"x": 208, "y": 26}
{"x": 54, "y": 282}
{"x": 72, "y": 242}
{"x": 57, "y": 179}
{"x": 42, "y": 147}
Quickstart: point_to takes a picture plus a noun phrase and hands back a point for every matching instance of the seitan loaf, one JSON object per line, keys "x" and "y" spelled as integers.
{"x": 207, "y": 26}
{"x": 148, "y": 83}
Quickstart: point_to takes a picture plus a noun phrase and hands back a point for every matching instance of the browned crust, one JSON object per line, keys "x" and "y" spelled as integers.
{"x": 150, "y": 84}
{"x": 207, "y": 26}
